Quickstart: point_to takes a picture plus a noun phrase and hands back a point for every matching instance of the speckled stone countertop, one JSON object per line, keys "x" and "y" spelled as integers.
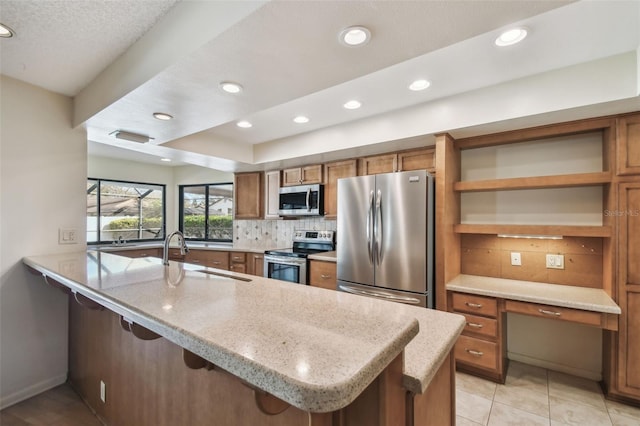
{"x": 588, "y": 299}
{"x": 329, "y": 256}
{"x": 314, "y": 348}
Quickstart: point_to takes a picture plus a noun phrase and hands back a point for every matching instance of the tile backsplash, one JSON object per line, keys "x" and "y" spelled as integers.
{"x": 274, "y": 234}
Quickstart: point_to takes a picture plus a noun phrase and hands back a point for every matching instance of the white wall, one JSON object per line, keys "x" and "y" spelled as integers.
{"x": 171, "y": 176}
{"x": 43, "y": 170}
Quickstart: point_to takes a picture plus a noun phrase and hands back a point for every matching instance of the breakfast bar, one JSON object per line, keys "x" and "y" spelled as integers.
{"x": 200, "y": 342}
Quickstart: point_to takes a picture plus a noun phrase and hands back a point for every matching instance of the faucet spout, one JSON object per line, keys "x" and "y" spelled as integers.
{"x": 183, "y": 246}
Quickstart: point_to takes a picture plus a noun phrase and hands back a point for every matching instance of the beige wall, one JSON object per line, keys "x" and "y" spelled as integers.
{"x": 43, "y": 169}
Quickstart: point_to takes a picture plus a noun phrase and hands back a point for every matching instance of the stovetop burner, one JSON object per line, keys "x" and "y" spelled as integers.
{"x": 306, "y": 243}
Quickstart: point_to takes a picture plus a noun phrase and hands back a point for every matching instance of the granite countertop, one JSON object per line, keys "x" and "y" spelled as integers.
{"x": 316, "y": 349}
{"x": 588, "y": 299}
{"x": 329, "y": 256}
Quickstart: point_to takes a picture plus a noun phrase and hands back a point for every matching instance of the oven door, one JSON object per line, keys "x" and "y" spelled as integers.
{"x": 285, "y": 268}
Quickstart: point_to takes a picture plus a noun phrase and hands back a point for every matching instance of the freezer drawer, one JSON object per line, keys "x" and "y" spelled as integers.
{"x": 386, "y": 294}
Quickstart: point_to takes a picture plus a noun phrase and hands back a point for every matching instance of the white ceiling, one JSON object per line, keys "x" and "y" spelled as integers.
{"x": 125, "y": 59}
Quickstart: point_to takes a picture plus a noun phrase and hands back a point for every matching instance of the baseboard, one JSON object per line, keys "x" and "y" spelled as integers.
{"x": 587, "y": 374}
{"x": 33, "y": 390}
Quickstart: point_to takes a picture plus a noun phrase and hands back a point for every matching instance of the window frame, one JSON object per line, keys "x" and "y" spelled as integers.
{"x": 98, "y": 182}
{"x": 206, "y": 218}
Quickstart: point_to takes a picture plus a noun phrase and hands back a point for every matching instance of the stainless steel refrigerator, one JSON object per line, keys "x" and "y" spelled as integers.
{"x": 385, "y": 237}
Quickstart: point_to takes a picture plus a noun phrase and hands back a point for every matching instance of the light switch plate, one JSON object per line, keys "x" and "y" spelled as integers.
{"x": 516, "y": 260}
{"x": 555, "y": 261}
{"x": 67, "y": 236}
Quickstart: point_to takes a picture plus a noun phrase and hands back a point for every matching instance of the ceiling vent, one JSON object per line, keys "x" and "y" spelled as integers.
{"x": 128, "y": 136}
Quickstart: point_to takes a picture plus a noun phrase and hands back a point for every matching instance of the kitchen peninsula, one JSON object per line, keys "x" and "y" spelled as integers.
{"x": 151, "y": 344}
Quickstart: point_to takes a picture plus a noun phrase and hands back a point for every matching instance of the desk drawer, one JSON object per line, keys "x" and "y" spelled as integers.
{"x": 477, "y": 352}
{"x": 237, "y": 257}
{"x": 482, "y": 326}
{"x": 478, "y": 305}
{"x": 555, "y": 312}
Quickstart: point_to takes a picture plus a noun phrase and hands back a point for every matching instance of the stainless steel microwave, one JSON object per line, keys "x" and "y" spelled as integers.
{"x": 301, "y": 200}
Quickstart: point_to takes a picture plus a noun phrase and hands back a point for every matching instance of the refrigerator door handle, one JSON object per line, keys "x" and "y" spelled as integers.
{"x": 308, "y": 196}
{"x": 378, "y": 228}
{"x": 408, "y": 300}
{"x": 369, "y": 220}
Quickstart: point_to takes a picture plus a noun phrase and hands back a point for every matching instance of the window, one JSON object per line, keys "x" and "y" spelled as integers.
{"x": 128, "y": 211}
{"x": 206, "y": 212}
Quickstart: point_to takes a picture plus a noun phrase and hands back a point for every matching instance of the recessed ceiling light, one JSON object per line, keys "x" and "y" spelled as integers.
{"x": 301, "y": 119}
{"x": 419, "y": 85}
{"x": 230, "y": 87}
{"x": 352, "y": 105}
{"x": 166, "y": 160}
{"x": 6, "y": 32}
{"x": 244, "y": 124}
{"x": 163, "y": 116}
{"x": 512, "y": 36}
{"x": 355, "y": 36}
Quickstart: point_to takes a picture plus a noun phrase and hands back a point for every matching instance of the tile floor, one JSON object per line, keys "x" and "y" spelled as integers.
{"x": 530, "y": 396}
{"x": 536, "y": 396}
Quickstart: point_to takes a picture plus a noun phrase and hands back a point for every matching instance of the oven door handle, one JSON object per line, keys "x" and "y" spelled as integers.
{"x": 281, "y": 261}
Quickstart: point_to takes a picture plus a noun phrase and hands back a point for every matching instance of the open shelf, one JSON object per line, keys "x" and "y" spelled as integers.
{"x": 564, "y": 230}
{"x": 536, "y": 182}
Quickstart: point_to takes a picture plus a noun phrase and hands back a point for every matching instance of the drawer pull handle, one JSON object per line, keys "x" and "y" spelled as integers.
{"x": 195, "y": 261}
{"x": 475, "y": 325}
{"x": 474, "y": 305}
{"x": 474, "y": 353}
{"x": 544, "y": 311}
{"x": 324, "y": 277}
{"x": 216, "y": 263}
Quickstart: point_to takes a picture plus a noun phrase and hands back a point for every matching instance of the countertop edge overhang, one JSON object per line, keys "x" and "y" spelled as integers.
{"x": 423, "y": 356}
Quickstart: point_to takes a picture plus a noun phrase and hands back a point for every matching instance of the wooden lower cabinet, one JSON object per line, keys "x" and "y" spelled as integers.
{"x": 148, "y": 382}
{"x": 255, "y": 264}
{"x": 137, "y": 253}
{"x": 209, "y": 258}
{"x": 481, "y": 349}
{"x": 238, "y": 262}
{"x": 322, "y": 274}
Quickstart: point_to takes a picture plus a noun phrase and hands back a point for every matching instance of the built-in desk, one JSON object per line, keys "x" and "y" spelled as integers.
{"x": 484, "y": 301}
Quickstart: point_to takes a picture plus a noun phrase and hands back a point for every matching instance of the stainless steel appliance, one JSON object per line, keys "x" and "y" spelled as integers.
{"x": 301, "y": 200}
{"x": 291, "y": 264}
{"x": 386, "y": 236}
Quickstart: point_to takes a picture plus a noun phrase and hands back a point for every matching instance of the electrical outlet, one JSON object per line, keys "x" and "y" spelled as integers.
{"x": 516, "y": 260}
{"x": 555, "y": 261}
{"x": 67, "y": 236}
{"x": 103, "y": 391}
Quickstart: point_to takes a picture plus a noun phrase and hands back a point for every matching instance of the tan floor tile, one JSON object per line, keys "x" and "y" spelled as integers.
{"x": 574, "y": 413}
{"x": 461, "y": 421}
{"x": 523, "y": 399}
{"x": 504, "y": 415}
{"x": 619, "y": 420}
{"x": 475, "y": 385}
{"x": 527, "y": 377}
{"x": 623, "y": 409}
{"x": 472, "y": 407}
{"x": 576, "y": 389}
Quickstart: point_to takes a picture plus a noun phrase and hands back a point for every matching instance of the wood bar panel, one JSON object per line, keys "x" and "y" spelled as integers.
{"x": 564, "y": 230}
{"x": 534, "y": 182}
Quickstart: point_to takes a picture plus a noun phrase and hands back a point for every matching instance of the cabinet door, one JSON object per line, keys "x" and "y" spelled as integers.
{"x": 629, "y": 290}
{"x": 629, "y": 145}
{"x": 292, "y": 177}
{"x": 271, "y": 194}
{"x": 248, "y": 197}
{"x": 216, "y": 259}
{"x": 386, "y": 163}
{"x": 255, "y": 264}
{"x": 240, "y": 268}
{"x": 419, "y": 159}
{"x": 322, "y": 274}
{"x": 333, "y": 172}
{"x": 312, "y": 174}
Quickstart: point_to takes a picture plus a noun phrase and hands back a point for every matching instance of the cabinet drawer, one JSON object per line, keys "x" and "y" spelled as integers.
{"x": 555, "y": 312}
{"x": 477, "y": 352}
{"x": 482, "y": 326}
{"x": 238, "y": 257}
{"x": 241, "y": 268}
{"x": 322, "y": 274}
{"x": 478, "y": 305}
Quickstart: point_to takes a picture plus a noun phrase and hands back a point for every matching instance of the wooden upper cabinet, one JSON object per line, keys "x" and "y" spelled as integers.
{"x": 271, "y": 194}
{"x": 419, "y": 159}
{"x": 248, "y": 197}
{"x": 302, "y": 175}
{"x": 333, "y": 172}
{"x": 629, "y": 145}
{"x": 376, "y": 164}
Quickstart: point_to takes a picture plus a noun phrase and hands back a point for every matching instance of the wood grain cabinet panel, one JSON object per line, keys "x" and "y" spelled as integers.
{"x": 595, "y": 319}
{"x": 333, "y": 172}
{"x": 420, "y": 159}
{"x": 376, "y": 164}
{"x": 248, "y": 196}
{"x": 477, "y": 305}
{"x": 136, "y": 253}
{"x": 322, "y": 274}
{"x": 305, "y": 175}
{"x": 478, "y": 352}
{"x": 629, "y": 145}
{"x": 255, "y": 264}
{"x": 481, "y": 326}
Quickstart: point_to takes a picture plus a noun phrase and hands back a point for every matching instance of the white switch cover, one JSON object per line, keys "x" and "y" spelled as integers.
{"x": 67, "y": 236}
{"x": 516, "y": 260}
{"x": 555, "y": 261}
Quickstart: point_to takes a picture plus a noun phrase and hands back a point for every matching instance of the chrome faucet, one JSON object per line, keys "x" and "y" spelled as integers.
{"x": 183, "y": 246}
